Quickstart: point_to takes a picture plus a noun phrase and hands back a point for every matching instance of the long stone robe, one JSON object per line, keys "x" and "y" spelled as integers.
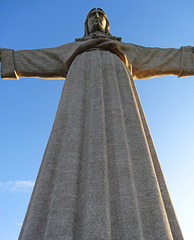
{"x": 100, "y": 177}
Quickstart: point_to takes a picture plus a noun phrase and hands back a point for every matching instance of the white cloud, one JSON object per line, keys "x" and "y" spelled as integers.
{"x": 18, "y": 223}
{"x": 17, "y": 186}
{"x": 25, "y": 184}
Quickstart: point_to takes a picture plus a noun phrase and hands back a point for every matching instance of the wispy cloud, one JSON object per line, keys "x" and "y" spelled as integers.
{"x": 18, "y": 223}
{"x": 17, "y": 186}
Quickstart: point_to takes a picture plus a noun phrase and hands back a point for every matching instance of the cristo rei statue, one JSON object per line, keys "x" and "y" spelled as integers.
{"x": 100, "y": 177}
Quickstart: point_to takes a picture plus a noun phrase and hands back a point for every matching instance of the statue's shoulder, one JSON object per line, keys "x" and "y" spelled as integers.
{"x": 64, "y": 49}
{"x": 66, "y": 46}
{"x": 132, "y": 45}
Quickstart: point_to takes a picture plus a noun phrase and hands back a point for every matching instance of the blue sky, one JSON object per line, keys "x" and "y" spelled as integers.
{"x": 28, "y": 106}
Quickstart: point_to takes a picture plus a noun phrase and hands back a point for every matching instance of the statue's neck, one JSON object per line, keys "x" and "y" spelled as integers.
{"x": 97, "y": 34}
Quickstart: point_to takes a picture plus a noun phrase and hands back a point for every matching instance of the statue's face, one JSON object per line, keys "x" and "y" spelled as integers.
{"x": 96, "y": 21}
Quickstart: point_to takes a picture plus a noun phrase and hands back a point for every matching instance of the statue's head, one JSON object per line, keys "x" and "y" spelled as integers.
{"x": 97, "y": 26}
{"x": 97, "y": 20}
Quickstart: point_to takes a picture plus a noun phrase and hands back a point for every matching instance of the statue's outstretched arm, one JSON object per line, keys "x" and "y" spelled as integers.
{"x": 43, "y": 63}
{"x": 152, "y": 62}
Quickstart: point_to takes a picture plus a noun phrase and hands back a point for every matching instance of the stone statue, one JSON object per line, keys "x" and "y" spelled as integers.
{"x": 100, "y": 177}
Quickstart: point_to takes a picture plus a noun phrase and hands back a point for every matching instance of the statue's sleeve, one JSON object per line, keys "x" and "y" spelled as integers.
{"x": 153, "y": 62}
{"x": 47, "y": 63}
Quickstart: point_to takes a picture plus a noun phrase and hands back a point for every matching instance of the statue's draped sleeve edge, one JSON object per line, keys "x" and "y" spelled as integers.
{"x": 8, "y": 65}
{"x": 187, "y": 64}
